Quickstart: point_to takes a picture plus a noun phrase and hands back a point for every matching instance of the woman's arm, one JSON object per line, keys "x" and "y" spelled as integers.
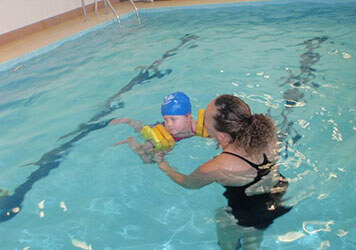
{"x": 199, "y": 178}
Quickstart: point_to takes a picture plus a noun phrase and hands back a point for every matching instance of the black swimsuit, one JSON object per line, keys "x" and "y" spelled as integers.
{"x": 258, "y": 210}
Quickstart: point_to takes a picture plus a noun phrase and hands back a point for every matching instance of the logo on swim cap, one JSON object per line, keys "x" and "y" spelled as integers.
{"x": 177, "y": 103}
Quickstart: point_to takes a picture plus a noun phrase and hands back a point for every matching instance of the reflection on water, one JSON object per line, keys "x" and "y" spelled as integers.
{"x": 81, "y": 244}
{"x": 312, "y": 227}
{"x": 291, "y": 236}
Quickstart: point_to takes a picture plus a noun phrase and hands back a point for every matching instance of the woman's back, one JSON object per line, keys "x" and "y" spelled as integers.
{"x": 255, "y": 201}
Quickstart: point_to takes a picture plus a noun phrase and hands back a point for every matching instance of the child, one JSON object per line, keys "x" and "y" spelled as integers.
{"x": 178, "y": 121}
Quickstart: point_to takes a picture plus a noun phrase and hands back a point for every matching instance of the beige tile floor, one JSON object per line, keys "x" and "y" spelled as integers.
{"x": 42, "y": 38}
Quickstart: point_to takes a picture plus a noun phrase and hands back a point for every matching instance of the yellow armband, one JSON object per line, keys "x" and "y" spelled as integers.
{"x": 159, "y": 136}
{"x": 200, "y": 130}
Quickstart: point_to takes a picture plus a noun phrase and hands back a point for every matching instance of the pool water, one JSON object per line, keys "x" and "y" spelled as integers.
{"x": 71, "y": 188}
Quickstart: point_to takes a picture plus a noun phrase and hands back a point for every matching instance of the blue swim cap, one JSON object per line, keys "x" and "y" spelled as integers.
{"x": 177, "y": 103}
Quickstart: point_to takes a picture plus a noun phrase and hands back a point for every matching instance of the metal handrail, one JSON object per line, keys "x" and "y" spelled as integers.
{"x": 108, "y": 3}
{"x": 96, "y": 7}
{"x": 85, "y": 11}
{"x": 113, "y": 11}
{"x": 136, "y": 12}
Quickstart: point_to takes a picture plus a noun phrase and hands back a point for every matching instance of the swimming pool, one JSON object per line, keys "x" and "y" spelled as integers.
{"x": 292, "y": 60}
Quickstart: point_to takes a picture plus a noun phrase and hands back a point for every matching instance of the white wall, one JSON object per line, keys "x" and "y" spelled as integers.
{"x": 16, "y": 14}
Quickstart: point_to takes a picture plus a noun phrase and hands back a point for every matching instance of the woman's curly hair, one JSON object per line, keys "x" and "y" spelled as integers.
{"x": 252, "y": 132}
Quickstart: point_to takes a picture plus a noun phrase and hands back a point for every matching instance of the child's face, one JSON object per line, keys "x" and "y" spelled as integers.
{"x": 176, "y": 124}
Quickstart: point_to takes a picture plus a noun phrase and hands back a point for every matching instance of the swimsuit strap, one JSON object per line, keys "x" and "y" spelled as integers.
{"x": 260, "y": 171}
{"x": 254, "y": 165}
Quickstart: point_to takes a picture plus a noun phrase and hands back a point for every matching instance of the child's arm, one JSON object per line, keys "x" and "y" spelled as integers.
{"x": 137, "y": 125}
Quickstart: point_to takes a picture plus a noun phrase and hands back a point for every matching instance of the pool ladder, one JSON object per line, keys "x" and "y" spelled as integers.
{"x": 108, "y": 3}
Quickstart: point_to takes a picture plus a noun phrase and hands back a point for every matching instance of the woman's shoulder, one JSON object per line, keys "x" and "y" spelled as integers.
{"x": 227, "y": 171}
{"x": 226, "y": 162}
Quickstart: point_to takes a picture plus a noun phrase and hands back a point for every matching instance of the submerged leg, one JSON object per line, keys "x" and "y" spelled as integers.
{"x": 252, "y": 239}
{"x": 227, "y": 236}
{"x": 230, "y": 234}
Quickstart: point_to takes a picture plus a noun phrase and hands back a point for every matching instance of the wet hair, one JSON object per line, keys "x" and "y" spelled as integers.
{"x": 252, "y": 132}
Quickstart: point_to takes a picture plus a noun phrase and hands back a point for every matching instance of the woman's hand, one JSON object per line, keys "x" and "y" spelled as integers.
{"x": 159, "y": 156}
{"x": 195, "y": 180}
{"x": 162, "y": 164}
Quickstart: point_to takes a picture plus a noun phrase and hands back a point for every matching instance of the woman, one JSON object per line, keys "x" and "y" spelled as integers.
{"x": 246, "y": 169}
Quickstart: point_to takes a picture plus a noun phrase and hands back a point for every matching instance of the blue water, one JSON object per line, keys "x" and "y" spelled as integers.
{"x": 294, "y": 61}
